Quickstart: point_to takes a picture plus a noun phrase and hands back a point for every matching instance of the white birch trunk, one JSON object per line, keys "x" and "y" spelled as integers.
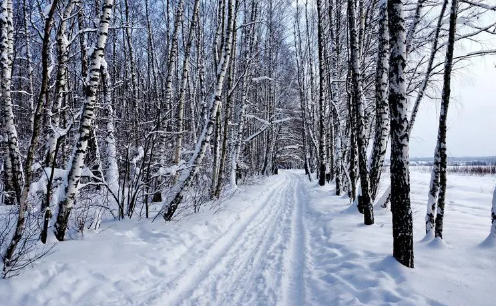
{"x": 6, "y": 57}
{"x": 434, "y": 187}
{"x": 433, "y": 195}
{"x": 172, "y": 56}
{"x": 61, "y": 90}
{"x": 238, "y": 143}
{"x": 400, "y": 175}
{"x": 29, "y": 57}
{"x": 76, "y": 163}
{"x": 14, "y": 156}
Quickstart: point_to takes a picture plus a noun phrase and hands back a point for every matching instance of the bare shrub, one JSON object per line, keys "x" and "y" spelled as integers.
{"x": 29, "y": 249}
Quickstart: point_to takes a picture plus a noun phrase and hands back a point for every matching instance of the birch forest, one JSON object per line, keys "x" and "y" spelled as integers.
{"x": 157, "y": 109}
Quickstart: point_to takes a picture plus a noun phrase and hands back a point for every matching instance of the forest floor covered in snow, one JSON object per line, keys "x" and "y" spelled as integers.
{"x": 281, "y": 241}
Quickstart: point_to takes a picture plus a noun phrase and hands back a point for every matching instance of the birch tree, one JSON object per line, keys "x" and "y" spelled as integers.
{"x": 300, "y": 70}
{"x": 61, "y": 84}
{"x": 76, "y": 165}
{"x": 13, "y": 167}
{"x": 400, "y": 176}
{"x": 322, "y": 134}
{"x": 14, "y": 156}
{"x": 172, "y": 57}
{"x": 443, "y": 118}
{"x": 364, "y": 201}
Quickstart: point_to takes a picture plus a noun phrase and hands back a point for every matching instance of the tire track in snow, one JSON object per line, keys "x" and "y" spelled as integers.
{"x": 235, "y": 271}
{"x": 294, "y": 282}
{"x": 189, "y": 280}
{"x": 263, "y": 284}
{"x": 274, "y": 275}
{"x": 159, "y": 294}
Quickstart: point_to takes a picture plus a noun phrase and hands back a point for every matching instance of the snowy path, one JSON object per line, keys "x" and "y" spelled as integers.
{"x": 260, "y": 262}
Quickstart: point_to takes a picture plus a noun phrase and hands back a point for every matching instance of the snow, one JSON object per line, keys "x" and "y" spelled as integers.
{"x": 173, "y": 170}
{"x": 140, "y": 154}
{"x": 47, "y": 9}
{"x": 281, "y": 241}
{"x": 261, "y": 78}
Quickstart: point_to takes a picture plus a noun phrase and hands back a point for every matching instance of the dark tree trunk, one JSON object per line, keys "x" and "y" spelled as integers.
{"x": 364, "y": 203}
{"x": 443, "y": 118}
{"x": 322, "y": 130}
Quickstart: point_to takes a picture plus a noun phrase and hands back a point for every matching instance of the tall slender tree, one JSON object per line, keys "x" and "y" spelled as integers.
{"x": 443, "y": 119}
{"x": 322, "y": 82}
{"x": 400, "y": 175}
{"x": 73, "y": 176}
{"x": 364, "y": 201}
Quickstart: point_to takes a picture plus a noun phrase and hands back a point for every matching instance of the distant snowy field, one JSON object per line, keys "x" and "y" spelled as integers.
{"x": 282, "y": 241}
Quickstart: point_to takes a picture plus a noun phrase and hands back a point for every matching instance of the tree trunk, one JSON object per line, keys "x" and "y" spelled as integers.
{"x": 364, "y": 202}
{"x": 29, "y": 57}
{"x": 352, "y": 146}
{"x": 227, "y": 118}
{"x": 216, "y": 151}
{"x": 433, "y": 193}
{"x": 434, "y": 181}
{"x": 73, "y": 176}
{"x": 14, "y": 169}
{"x": 443, "y": 119}
{"x": 61, "y": 84}
{"x": 14, "y": 156}
{"x": 322, "y": 129}
{"x": 135, "y": 114}
{"x": 400, "y": 175}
